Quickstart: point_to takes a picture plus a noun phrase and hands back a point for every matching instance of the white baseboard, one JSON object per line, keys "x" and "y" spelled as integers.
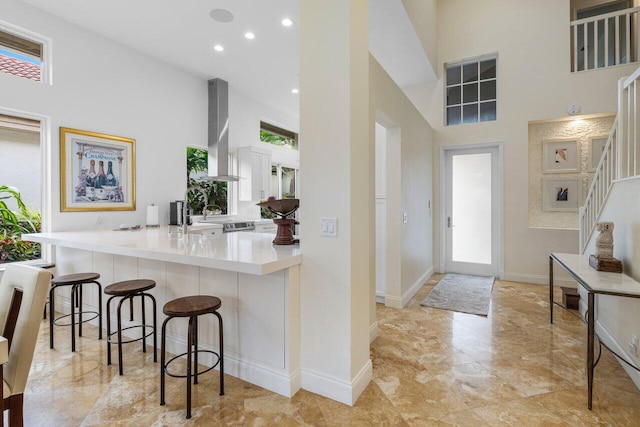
{"x": 538, "y": 279}
{"x": 380, "y": 297}
{"x": 393, "y": 302}
{"x": 416, "y": 286}
{"x": 337, "y": 389}
{"x": 373, "y": 332}
{"x": 400, "y": 303}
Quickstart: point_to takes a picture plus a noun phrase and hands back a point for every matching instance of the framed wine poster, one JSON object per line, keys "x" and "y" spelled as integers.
{"x": 97, "y": 172}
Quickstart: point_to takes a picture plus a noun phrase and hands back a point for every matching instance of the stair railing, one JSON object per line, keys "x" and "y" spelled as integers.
{"x": 605, "y": 40}
{"x": 620, "y": 158}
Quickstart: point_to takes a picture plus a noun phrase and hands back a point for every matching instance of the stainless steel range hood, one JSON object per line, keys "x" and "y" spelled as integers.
{"x": 219, "y": 132}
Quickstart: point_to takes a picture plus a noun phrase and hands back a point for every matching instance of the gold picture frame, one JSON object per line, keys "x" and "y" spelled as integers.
{"x": 97, "y": 172}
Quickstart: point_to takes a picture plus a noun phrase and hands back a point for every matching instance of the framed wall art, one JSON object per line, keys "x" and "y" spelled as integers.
{"x": 595, "y": 146}
{"x": 560, "y": 156}
{"x": 561, "y": 194}
{"x": 97, "y": 172}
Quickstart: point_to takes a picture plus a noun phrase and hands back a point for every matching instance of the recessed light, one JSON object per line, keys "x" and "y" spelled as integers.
{"x": 287, "y": 22}
{"x": 249, "y": 35}
{"x": 218, "y": 48}
{"x": 295, "y": 91}
{"x": 221, "y": 15}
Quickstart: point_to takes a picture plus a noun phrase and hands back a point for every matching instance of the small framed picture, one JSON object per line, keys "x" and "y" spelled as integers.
{"x": 560, "y": 156}
{"x": 561, "y": 194}
{"x": 596, "y": 148}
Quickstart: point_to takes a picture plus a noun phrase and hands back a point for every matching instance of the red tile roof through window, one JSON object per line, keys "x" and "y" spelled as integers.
{"x": 19, "y": 68}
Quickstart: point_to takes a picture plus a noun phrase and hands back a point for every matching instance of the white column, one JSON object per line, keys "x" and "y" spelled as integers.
{"x": 335, "y": 176}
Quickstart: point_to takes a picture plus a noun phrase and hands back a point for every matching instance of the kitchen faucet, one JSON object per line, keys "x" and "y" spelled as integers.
{"x": 185, "y": 206}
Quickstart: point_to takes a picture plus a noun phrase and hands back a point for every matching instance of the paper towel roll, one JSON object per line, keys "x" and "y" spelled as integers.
{"x": 152, "y": 215}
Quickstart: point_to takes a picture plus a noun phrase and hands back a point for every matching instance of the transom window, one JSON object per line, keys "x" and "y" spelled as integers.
{"x": 470, "y": 91}
{"x": 23, "y": 54}
{"x": 277, "y": 136}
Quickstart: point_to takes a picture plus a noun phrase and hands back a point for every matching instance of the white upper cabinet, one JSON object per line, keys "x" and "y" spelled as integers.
{"x": 254, "y": 166}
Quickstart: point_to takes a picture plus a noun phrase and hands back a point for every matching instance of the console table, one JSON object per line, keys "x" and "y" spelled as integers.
{"x": 595, "y": 282}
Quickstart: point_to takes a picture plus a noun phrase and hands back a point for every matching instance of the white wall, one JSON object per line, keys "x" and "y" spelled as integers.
{"x": 534, "y": 83}
{"x": 424, "y": 17}
{"x": 414, "y": 169}
{"x": 102, "y": 86}
{"x": 620, "y": 317}
{"x": 336, "y": 167}
{"x": 245, "y": 115}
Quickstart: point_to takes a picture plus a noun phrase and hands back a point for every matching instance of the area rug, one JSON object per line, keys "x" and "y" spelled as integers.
{"x": 458, "y": 292}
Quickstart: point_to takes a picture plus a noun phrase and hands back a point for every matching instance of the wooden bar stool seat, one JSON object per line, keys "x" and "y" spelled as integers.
{"x": 191, "y": 307}
{"x": 77, "y": 282}
{"x": 127, "y": 290}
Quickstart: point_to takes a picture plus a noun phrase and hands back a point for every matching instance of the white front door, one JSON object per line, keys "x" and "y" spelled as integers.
{"x": 472, "y": 210}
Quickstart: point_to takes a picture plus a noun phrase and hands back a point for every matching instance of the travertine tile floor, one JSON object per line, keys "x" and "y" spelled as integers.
{"x": 430, "y": 367}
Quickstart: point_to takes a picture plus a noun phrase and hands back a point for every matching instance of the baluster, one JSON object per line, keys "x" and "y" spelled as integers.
{"x": 627, "y": 37}
{"x": 617, "y": 33}
{"x": 585, "y": 35}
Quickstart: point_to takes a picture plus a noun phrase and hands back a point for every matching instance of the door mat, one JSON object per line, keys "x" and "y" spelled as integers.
{"x": 459, "y": 292}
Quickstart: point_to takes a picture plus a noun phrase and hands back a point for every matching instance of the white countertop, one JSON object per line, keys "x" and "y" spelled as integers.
{"x": 598, "y": 281}
{"x": 251, "y": 253}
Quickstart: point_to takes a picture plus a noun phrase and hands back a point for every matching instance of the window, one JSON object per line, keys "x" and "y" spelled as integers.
{"x": 277, "y": 136}
{"x": 283, "y": 185}
{"x": 23, "y": 54}
{"x": 217, "y": 201}
{"x": 470, "y": 91}
{"x": 21, "y": 197}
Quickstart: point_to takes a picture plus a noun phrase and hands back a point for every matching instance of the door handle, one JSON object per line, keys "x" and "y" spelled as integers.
{"x": 449, "y": 222}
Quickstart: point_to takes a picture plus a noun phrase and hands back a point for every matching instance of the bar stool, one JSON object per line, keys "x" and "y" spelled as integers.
{"x": 127, "y": 290}
{"x": 76, "y": 281}
{"x": 191, "y": 307}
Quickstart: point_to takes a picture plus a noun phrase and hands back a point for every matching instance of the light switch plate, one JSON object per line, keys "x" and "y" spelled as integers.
{"x": 328, "y": 227}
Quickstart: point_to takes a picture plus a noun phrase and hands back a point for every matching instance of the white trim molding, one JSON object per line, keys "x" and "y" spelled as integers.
{"x": 373, "y": 332}
{"x": 335, "y": 388}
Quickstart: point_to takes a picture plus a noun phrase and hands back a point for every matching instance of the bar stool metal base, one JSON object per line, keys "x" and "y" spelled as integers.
{"x": 127, "y": 291}
{"x": 77, "y": 282}
{"x": 191, "y": 307}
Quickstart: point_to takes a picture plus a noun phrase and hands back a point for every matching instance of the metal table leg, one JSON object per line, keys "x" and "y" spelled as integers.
{"x": 590, "y": 345}
{"x": 550, "y": 289}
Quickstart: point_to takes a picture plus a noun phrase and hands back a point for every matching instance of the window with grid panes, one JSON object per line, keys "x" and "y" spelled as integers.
{"x": 470, "y": 91}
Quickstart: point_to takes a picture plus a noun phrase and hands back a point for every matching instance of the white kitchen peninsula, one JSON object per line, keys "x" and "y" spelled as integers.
{"x": 257, "y": 282}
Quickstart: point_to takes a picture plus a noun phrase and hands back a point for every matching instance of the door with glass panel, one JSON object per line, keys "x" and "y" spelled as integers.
{"x": 471, "y": 220}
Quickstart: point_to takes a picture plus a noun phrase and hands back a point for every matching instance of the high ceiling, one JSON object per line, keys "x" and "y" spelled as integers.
{"x": 183, "y": 33}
